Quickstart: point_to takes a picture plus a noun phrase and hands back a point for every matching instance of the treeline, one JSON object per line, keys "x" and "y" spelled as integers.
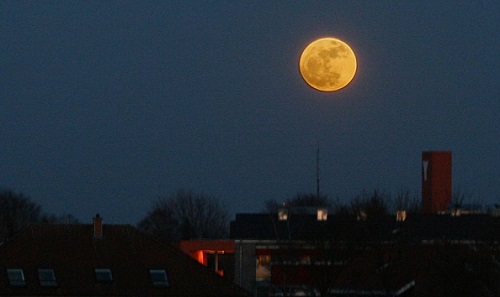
{"x": 187, "y": 214}
{"x": 181, "y": 215}
{"x": 375, "y": 203}
{"x": 18, "y": 211}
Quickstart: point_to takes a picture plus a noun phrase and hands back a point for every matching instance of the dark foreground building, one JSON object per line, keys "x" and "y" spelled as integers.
{"x": 101, "y": 260}
{"x": 310, "y": 253}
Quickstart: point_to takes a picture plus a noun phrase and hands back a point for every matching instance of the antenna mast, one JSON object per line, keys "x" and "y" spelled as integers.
{"x": 317, "y": 172}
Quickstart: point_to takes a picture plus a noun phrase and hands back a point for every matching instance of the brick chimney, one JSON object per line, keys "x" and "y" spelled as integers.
{"x": 97, "y": 226}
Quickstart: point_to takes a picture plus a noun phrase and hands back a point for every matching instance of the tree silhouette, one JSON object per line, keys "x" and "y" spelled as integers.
{"x": 16, "y": 212}
{"x": 186, "y": 215}
{"x": 407, "y": 202}
{"x": 59, "y": 219}
{"x": 372, "y": 206}
{"x": 297, "y": 201}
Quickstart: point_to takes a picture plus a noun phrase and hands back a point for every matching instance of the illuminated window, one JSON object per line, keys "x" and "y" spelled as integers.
{"x": 159, "y": 277}
{"x": 283, "y": 214}
{"x": 263, "y": 268}
{"x": 47, "y": 277}
{"x": 16, "y": 277}
{"x": 322, "y": 214}
{"x": 456, "y": 212}
{"x": 401, "y": 215}
{"x": 103, "y": 275}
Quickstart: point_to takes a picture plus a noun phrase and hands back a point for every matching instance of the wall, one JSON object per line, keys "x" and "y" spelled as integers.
{"x": 244, "y": 265}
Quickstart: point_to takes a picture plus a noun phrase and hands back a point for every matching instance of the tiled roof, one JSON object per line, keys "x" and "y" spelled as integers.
{"x": 74, "y": 253}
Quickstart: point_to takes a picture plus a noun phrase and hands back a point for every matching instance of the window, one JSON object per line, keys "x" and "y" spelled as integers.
{"x": 263, "y": 268}
{"x": 159, "y": 277}
{"x": 103, "y": 275}
{"x": 283, "y": 214}
{"x": 322, "y": 214}
{"x": 401, "y": 215}
{"x": 16, "y": 277}
{"x": 47, "y": 277}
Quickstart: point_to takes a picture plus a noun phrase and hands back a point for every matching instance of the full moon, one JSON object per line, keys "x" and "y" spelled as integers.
{"x": 327, "y": 64}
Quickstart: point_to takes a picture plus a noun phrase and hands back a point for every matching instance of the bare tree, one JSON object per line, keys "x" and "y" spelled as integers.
{"x": 299, "y": 200}
{"x": 407, "y": 202}
{"x": 16, "y": 212}
{"x": 186, "y": 215}
{"x": 66, "y": 219}
{"x": 461, "y": 198}
{"x": 372, "y": 206}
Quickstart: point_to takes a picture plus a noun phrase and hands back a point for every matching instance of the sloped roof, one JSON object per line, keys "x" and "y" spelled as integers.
{"x": 74, "y": 253}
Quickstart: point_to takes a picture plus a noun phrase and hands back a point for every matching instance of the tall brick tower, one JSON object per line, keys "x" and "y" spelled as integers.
{"x": 436, "y": 181}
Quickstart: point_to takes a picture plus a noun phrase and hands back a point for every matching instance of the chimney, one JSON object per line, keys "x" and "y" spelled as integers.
{"x": 436, "y": 181}
{"x": 97, "y": 227}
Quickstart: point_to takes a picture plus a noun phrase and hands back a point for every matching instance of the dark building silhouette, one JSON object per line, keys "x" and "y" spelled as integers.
{"x": 101, "y": 260}
{"x": 436, "y": 181}
{"x": 348, "y": 255}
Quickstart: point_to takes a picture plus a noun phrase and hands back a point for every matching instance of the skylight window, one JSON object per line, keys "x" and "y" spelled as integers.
{"x": 47, "y": 277}
{"x": 103, "y": 275}
{"x": 159, "y": 277}
{"x": 16, "y": 277}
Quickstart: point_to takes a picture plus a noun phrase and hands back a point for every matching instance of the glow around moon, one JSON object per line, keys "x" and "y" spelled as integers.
{"x": 328, "y": 64}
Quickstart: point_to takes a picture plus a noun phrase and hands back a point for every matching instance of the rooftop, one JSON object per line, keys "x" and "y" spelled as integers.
{"x": 123, "y": 262}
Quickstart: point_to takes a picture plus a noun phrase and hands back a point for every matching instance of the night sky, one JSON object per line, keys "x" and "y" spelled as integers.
{"x": 107, "y": 105}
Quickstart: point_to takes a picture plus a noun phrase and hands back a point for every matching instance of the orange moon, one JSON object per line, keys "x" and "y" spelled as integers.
{"x": 328, "y": 64}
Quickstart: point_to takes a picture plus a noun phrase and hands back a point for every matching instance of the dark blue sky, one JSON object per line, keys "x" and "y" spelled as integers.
{"x": 107, "y": 105}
